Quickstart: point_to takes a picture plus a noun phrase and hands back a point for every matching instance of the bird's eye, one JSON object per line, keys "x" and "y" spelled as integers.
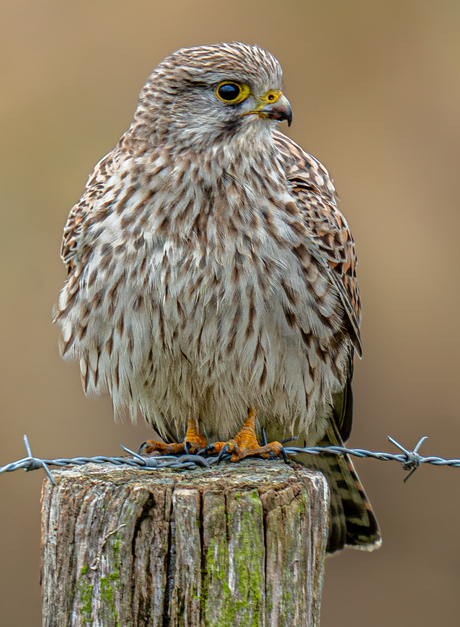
{"x": 229, "y": 92}
{"x": 233, "y": 93}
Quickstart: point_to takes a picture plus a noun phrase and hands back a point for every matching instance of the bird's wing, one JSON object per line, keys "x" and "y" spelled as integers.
{"x": 329, "y": 238}
{"x": 95, "y": 188}
{"x": 352, "y": 521}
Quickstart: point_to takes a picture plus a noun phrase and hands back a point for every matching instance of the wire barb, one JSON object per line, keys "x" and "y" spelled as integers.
{"x": 413, "y": 458}
{"x": 35, "y": 463}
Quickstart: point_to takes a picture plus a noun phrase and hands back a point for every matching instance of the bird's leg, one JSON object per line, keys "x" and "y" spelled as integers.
{"x": 245, "y": 442}
{"x": 194, "y": 441}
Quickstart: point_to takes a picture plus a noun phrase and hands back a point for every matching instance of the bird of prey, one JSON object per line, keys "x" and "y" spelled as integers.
{"x": 211, "y": 277}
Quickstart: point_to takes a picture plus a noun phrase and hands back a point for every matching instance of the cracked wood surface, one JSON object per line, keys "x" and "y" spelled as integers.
{"x": 238, "y": 545}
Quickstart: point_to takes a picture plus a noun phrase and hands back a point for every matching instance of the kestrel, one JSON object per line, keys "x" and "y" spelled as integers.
{"x": 211, "y": 276}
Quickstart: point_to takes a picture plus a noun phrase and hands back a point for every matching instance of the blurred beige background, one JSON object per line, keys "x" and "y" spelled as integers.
{"x": 375, "y": 89}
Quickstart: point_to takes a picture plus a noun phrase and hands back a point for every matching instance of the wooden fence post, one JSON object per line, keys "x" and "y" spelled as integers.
{"x": 237, "y": 545}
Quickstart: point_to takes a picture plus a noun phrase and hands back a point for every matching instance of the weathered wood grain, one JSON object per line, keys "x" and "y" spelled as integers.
{"x": 239, "y": 545}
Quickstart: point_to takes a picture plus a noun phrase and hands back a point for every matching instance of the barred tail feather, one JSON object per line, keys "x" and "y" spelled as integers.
{"x": 352, "y": 520}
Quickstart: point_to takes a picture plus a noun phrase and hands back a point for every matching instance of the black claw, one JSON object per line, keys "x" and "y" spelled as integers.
{"x": 141, "y": 449}
{"x": 222, "y": 453}
{"x": 284, "y": 454}
{"x": 187, "y": 450}
{"x": 207, "y": 449}
{"x": 264, "y": 436}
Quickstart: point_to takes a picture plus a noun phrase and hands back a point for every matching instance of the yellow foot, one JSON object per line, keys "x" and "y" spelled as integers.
{"x": 245, "y": 443}
{"x": 194, "y": 442}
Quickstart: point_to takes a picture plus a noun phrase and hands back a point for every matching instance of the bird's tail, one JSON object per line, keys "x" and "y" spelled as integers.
{"x": 352, "y": 520}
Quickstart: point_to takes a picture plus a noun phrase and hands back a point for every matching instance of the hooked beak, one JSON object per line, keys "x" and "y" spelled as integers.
{"x": 279, "y": 110}
{"x": 275, "y": 106}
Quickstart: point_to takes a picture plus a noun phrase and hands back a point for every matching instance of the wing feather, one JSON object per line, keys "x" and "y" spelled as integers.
{"x": 329, "y": 238}
{"x": 95, "y": 189}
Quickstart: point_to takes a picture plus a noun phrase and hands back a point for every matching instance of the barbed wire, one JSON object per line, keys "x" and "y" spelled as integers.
{"x": 409, "y": 459}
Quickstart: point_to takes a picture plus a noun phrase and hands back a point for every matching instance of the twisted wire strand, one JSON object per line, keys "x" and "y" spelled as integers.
{"x": 410, "y": 460}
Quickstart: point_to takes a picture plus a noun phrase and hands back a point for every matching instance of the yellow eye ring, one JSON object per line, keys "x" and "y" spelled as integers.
{"x": 232, "y": 93}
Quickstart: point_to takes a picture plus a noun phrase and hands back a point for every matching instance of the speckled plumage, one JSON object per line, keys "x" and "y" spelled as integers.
{"x": 210, "y": 269}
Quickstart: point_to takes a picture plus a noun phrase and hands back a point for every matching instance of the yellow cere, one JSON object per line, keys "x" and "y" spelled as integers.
{"x": 270, "y": 97}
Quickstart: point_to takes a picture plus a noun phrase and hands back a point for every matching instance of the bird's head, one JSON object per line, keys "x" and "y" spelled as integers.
{"x": 199, "y": 97}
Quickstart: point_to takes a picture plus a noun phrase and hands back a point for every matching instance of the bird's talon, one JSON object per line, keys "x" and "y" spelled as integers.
{"x": 141, "y": 449}
{"x": 210, "y": 448}
{"x": 148, "y": 448}
{"x": 193, "y": 441}
{"x": 222, "y": 452}
{"x": 264, "y": 437}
